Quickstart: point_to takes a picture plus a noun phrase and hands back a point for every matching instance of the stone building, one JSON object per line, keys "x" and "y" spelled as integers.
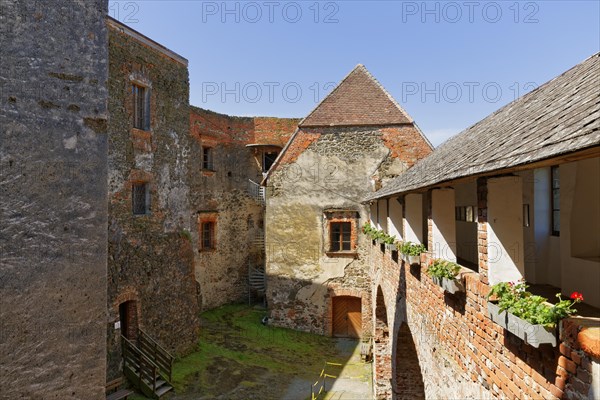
{"x": 515, "y": 196}
{"x": 53, "y": 177}
{"x": 228, "y": 156}
{"x": 357, "y": 138}
{"x": 151, "y": 281}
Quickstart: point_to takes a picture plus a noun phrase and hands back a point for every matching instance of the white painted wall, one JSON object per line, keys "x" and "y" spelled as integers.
{"x": 443, "y": 227}
{"x": 383, "y": 215}
{"x": 413, "y": 224}
{"x": 578, "y": 189}
{"x": 395, "y": 218}
{"x": 465, "y": 194}
{"x": 505, "y": 229}
{"x": 373, "y": 214}
{"x": 585, "y": 219}
{"x": 529, "y": 254}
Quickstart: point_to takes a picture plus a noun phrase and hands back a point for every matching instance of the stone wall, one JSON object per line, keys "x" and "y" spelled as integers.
{"x": 53, "y": 174}
{"x": 224, "y": 194}
{"x": 323, "y": 171}
{"x": 151, "y": 258}
{"x": 461, "y": 352}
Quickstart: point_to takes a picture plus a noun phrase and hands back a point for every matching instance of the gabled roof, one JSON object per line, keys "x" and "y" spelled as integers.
{"x": 560, "y": 117}
{"x": 357, "y": 100}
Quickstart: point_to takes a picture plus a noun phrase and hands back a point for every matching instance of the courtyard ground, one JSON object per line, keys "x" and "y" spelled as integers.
{"x": 239, "y": 358}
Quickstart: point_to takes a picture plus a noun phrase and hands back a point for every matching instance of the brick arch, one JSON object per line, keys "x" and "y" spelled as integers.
{"x": 382, "y": 349}
{"x": 408, "y": 380}
{"x": 127, "y": 294}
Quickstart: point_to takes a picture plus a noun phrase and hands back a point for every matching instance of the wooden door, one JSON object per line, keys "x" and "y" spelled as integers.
{"x": 347, "y": 317}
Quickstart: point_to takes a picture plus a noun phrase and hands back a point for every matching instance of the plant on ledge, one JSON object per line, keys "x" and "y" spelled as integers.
{"x": 378, "y": 235}
{"x": 526, "y": 315}
{"x": 411, "y": 251}
{"x": 444, "y": 274}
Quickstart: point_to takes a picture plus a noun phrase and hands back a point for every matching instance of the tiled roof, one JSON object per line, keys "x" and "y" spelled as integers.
{"x": 358, "y": 100}
{"x": 559, "y": 117}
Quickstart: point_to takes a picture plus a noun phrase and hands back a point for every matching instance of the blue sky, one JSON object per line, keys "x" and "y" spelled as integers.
{"x": 449, "y": 64}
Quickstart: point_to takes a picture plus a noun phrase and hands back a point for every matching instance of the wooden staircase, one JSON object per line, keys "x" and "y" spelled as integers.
{"x": 147, "y": 365}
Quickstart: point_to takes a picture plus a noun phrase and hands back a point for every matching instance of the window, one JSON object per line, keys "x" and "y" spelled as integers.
{"x": 269, "y": 158}
{"x": 554, "y": 172}
{"x": 341, "y": 236}
{"x": 140, "y": 199}
{"x": 208, "y": 235}
{"x": 207, "y": 158}
{"x": 141, "y": 107}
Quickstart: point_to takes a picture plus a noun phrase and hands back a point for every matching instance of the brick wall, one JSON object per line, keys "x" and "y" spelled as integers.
{"x": 461, "y": 352}
{"x": 225, "y": 193}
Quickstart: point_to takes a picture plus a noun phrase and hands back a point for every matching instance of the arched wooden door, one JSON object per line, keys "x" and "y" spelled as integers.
{"x": 347, "y": 317}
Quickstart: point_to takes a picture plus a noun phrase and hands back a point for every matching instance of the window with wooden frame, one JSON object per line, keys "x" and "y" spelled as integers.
{"x": 341, "y": 232}
{"x": 555, "y": 200}
{"x": 140, "y": 198}
{"x": 340, "y": 236}
{"x": 207, "y": 233}
{"x": 207, "y": 158}
{"x": 141, "y": 107}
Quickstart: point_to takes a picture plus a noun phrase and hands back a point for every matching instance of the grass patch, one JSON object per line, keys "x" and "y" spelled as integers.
{"x": 234, "y": 345}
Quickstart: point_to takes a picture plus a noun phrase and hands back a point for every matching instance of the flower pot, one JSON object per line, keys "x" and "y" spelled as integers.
{"x": 452, "y": 285}
{"x": 533, "y": 335}
{"x": 449, "y": 285}
{"x": 497, "y": 316}
{"x": 390, "y": 247}
{"x": 380, "y": 241}
{"x": 414, "y": 259}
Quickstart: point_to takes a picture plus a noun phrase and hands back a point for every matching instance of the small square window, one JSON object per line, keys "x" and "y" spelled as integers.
{"x": 341, "y": 236}
{"x": 140, "y": 198}
{"x": 141, "y": 107}
{"x": 207, "y": 158}
{"x": 208, "y": 235}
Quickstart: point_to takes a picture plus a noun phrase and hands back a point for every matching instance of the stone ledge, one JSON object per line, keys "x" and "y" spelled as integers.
{"x": 582, "y": 333}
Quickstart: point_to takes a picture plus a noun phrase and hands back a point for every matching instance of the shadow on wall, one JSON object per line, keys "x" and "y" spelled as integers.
{"x": 406, "y": 377}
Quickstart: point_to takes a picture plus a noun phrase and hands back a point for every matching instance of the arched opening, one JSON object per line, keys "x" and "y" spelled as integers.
{"x": 382, "y": 351}
{"x": 128, "y": 319}
{"x": 409, "y": 381}
{"x": 346, "y": 317}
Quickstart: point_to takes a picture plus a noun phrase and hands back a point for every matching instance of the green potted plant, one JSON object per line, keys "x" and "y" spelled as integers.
{"x": 390, "y": 242}
{"x": 411, "y": 252}
{"x": 444, "y": 274}
{"x": 527, "y": 316}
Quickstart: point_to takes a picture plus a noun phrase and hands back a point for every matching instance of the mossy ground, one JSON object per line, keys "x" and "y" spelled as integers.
{"x": 239, "y": 358}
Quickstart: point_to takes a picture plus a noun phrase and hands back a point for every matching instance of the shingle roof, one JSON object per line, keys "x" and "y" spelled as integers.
{"x": 559, "y": 117}
{"x": 357, "y": 100}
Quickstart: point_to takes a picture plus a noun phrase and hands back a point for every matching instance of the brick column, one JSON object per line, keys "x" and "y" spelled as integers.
{"x": 482, "y": 244}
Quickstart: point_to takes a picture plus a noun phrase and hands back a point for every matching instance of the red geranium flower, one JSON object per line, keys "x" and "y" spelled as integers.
{"x": 577, "y": 296}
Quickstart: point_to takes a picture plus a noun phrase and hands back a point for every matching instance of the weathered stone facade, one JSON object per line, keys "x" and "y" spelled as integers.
{"x": 150, "y": 252}
{"x": 225, "y": 191}
{"x": 315, "y": 188}
{"x": 53, "y": 175}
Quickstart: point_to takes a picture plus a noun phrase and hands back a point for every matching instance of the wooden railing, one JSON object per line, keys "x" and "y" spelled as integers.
{"x": 161, "y": 357}
{"x": 145, "y": 372}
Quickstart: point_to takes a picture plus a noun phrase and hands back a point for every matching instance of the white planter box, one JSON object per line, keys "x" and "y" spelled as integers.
{"x": 449, "y": 285}
{"x": 533, "y": 335}
{"x": 413, "y": 260}
{"x": 391, "y": 247}
{"x": 497, "y": 316}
